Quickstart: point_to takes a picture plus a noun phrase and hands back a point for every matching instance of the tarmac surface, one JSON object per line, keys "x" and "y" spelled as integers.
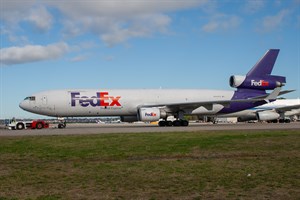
{"x": 81, "y": 129}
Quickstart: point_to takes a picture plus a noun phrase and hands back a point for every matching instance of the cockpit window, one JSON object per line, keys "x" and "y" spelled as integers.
{"x": 31, "y": 98}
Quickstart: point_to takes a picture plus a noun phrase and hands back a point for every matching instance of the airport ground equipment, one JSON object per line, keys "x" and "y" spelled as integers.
{"x": 19, "y": 125}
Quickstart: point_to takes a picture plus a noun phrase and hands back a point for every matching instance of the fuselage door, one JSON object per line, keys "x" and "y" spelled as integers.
{"x": 44, "y": 99}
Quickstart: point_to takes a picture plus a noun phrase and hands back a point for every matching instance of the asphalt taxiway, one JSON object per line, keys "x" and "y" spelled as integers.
{"x": 81, "y": 129}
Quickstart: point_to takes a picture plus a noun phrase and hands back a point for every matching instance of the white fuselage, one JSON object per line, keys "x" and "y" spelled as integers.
{"x": 109, "y": 102}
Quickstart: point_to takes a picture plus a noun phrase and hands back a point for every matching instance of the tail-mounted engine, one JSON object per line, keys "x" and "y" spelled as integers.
{"x": 267, "y": 82}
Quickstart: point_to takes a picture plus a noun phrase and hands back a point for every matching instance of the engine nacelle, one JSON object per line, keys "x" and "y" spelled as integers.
{"x": 129, "y": 118}
{"x": 267, "y": 82}
{"x": 267, "y": 115}
{"x": 247, "y": 118}
{"x": 150, "y": 114}
{"x": 236, "y": 80}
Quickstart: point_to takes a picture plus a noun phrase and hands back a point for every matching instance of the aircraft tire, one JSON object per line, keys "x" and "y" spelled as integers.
{"x": 61, "y": 125}
{"x": 176, "y": 123}
{"x": 162, "y": 123}
{"x": 169, "y": 123}
{"x": 184, "y": 123}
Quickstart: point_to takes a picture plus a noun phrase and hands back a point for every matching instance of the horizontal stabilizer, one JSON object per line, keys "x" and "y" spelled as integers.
{"x": 273, "y": 95}
{"x": 280, "y": 93}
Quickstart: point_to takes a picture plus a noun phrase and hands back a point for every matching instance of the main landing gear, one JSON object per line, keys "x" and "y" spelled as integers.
{"x": 179, "y": 122}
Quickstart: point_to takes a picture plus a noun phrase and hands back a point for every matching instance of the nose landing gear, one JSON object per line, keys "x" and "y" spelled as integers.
{"x": 62, "y": 123}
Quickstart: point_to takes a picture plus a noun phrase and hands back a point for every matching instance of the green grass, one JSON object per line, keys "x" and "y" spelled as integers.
{"x": 193, "y": 165}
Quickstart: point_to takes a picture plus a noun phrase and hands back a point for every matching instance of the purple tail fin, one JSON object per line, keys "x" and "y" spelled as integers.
{"x": 265, "y": 65}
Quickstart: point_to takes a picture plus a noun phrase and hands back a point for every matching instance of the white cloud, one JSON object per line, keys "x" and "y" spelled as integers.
{"x": 270, "y": 23}
{"x": 12, "y": 36}
{"x": 117, "y": 21}
{"x": 122, "y": 9}
{"x": 253, "y": 6}
{"x": 143, "y": 27}
{"x": 41, "y": 18}
{"x": 15, "y": 11}
{"x": 113, "y": 21}
{"x": 78, "y": 58}
{"x": 221, "y": 22}
{"x": 32, "y": 53}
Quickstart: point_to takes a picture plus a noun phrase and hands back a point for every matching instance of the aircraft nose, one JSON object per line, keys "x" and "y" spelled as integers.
{"x": 24, "y": 105}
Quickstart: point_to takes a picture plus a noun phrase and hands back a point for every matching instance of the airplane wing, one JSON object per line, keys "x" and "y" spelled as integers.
{"x": 287, "y": 108}
{"x": 209, "y": 104}
{"x": 280, "y": 93}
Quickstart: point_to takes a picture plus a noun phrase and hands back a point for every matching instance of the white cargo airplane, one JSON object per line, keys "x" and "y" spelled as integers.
{"x": 280, "y": 110}
{"x": 157, "y": 104}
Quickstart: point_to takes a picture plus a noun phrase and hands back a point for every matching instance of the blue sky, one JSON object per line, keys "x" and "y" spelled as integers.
{"x": 141, "y": 44}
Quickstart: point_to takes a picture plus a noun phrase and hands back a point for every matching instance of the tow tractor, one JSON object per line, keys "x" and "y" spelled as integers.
{"x": 13, "y": 124}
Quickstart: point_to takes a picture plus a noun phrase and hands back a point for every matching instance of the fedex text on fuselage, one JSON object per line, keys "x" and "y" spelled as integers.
{"x": 100, "y": 99}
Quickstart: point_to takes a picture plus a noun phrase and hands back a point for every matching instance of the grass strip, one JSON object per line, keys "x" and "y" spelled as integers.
{"x": 192, "y": 165}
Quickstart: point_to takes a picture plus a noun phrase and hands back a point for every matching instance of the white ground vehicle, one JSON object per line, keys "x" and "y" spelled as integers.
{"x": 13, "y": 124}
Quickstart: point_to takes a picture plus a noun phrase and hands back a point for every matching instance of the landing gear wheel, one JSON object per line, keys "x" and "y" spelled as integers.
{"x": 184, "y": 123}
{"x": 173, "y": 123}
{"x": 61, "y": 125}
{"x": 180, "y": 123}
{"x": 169, "y": 123}
{"x": 176, "y": 123}
{"x": 162, "y": 123}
